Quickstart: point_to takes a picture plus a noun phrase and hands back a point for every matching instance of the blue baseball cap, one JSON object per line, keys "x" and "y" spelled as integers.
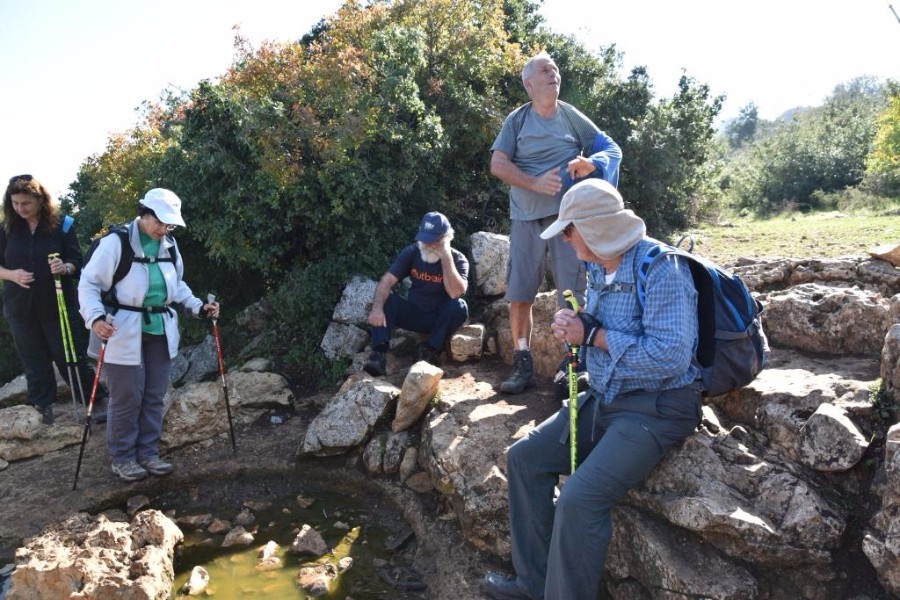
{"x": 434, "y": 226}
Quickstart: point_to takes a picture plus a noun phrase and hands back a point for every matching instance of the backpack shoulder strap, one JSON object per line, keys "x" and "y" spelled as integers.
{"x": 658, "y": 251}
{"x": 519, "y": 119}
{"x": 127, "y": 254}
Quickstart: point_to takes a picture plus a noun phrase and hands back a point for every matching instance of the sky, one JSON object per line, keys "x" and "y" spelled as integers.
{"x": 72, "y": 72}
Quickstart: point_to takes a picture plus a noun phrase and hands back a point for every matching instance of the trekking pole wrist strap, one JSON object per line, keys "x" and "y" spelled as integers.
{"x": 591, "y": 325}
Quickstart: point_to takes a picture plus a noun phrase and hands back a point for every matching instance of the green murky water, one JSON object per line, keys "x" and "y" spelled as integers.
{"x": 356, "y": 525}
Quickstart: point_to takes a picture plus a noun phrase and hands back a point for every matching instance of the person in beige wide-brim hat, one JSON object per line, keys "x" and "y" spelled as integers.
{"x": 643, "y": 399}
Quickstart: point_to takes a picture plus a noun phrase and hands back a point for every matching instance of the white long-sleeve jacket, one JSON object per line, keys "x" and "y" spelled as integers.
{"x": 124, "y": 346}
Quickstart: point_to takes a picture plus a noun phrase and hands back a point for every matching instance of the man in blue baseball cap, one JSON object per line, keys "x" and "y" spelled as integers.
{"x": 434, "y": 304}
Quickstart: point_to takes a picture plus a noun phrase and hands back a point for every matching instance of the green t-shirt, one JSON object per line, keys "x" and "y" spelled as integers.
{"x": 156, "y": 293}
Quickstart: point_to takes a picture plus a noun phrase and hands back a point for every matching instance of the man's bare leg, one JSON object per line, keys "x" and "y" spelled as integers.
{"x": 520, "y": 323}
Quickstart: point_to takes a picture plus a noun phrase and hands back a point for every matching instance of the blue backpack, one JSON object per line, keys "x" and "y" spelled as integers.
{"x": 732, "y": 347}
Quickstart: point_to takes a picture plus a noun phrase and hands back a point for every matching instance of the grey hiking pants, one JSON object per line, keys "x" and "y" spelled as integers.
{"x": 559, "y": 552}
{"x": 136, "y": 394}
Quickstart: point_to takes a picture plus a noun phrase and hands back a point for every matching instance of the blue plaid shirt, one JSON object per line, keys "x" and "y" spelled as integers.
{"x": 653, "y": 350}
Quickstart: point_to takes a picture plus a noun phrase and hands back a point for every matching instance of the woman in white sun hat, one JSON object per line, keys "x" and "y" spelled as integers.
{"x": 143, "y": 337}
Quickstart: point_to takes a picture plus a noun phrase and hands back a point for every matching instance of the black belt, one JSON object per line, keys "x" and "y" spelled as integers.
{"x": 147, "y": 310}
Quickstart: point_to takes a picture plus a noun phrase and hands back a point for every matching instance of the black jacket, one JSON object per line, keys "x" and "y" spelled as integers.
{"x": 20, "y": 249}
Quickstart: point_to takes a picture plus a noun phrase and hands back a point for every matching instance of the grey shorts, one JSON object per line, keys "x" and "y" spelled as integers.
{"x": 528, "y": 262}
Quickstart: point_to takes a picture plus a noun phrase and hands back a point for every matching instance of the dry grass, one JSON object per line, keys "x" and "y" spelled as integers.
{"x": 825, "y": 235}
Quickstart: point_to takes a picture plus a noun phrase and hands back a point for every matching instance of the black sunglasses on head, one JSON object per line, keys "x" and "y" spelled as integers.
{"x": 16, "y": 178}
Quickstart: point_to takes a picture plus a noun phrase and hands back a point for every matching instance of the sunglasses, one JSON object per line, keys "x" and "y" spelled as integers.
{"x": 16, "y": 178}
{"x": 567, "y": 232}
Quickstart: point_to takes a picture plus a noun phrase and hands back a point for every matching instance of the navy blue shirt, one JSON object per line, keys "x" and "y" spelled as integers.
{"x": 427, "y": 279}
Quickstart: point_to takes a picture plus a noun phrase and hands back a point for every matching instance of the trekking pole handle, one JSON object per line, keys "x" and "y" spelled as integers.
{"x": 211, "y": 299}
{"x": 572, "y": 300}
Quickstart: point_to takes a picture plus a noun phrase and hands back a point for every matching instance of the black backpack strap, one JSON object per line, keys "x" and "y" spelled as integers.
{"x": 127, "y": 255}
{"x": 152, "y": 259}
{"x": 125, "y": 261}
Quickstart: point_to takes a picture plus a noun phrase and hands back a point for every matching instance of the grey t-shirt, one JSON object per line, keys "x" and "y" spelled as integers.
{"x": 541, "y": 145}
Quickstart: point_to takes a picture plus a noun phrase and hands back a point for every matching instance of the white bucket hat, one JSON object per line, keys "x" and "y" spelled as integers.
{"x": 165, "y": 204}
{"x": 597, "y": 210}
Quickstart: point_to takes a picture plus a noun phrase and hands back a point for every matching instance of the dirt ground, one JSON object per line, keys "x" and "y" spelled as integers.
{"x": 37, "y": 492}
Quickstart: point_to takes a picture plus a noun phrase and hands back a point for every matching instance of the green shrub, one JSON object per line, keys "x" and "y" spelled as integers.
{"x": 302, "y": 305}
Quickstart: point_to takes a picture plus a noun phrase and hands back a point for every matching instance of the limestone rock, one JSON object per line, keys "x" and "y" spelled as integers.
{"x": 309, "y": 542}
{"x": 99, "y": 558}
{"x": 671, "y": 563}
{"x": 829, "y": 320}
{"x": 887, "y": 252}
{"x": 22, "y": 435}
{"x": 342, "y": 341}
{"x": 467, "y": 343}
{"x": 419, "y": 387}
{"x": 830, "y": 441}
{"x": 350, "y": 416}
{"x": 237, "y": 537}
{"x": 356, "y": 302}
{"x": 490, "y": 255}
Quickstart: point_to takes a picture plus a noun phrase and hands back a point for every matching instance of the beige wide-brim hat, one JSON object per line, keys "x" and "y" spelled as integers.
{"x": 598, "y": 212}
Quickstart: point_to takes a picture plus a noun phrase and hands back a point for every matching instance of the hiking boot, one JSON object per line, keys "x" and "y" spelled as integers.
{"x": 376, "y": 365}
{"x": 523, "y": 374}
{"x": 129, "y": 471}
{"x": 157, "y": 466}
{"x": 503, "y": 587}
{"x": 429, "y": 354}
{"x": 46, "y": 414}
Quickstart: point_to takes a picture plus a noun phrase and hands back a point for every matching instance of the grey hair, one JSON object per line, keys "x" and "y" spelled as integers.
{"x": 526, "y": 70}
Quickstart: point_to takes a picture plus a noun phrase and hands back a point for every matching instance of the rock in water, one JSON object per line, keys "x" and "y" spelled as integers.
{"x": 197, "y": 582}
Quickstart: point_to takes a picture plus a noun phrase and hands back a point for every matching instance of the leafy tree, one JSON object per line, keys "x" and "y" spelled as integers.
{"x": 671, "y": 152}
{"x": 821, "y": 150}
{"x": 742, "y": 129}
{"x": 883, "y": 163}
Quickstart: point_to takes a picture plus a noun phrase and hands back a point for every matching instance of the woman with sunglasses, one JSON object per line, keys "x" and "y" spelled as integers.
{"x": 35, "y": 248}
{"x": 143, "y": 337}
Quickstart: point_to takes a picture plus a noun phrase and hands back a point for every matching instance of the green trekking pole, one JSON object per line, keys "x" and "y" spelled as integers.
{"x": 573, "y": 387}
{"x": 68, "y": 343}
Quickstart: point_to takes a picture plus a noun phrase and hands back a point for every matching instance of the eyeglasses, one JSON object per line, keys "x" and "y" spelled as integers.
{"x": 16, "y": 178}
{"x": 169, "y": 228}
{"x": 567, "y": 232}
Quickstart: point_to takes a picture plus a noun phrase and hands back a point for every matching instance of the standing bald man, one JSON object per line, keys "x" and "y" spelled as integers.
{"x": 542, "y": 149}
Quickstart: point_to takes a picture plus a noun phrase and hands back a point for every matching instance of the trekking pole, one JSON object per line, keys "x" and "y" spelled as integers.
{"x": 68, "y": 345}
{"x": 212, "y": 299}
{"x": 573, "y": 387}
{"x": 87, "y": 423}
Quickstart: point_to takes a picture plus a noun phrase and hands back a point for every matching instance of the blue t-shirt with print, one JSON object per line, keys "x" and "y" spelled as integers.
{"x": 427, "y": 288}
